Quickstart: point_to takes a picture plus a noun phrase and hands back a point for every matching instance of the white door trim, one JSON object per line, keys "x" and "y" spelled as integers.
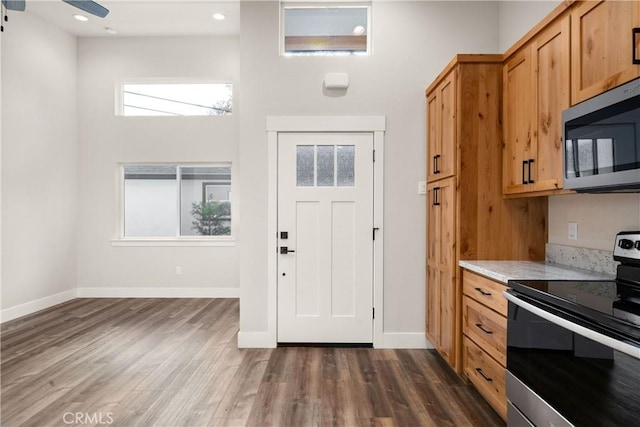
{"x": 278, "y": 124}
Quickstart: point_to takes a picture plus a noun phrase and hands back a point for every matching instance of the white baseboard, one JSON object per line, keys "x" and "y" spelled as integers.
{"x": 30, "y": 307}
{"x": 158, "y": 292}
{"x": 256, "y": 340}
{"x": 405, "y": 340}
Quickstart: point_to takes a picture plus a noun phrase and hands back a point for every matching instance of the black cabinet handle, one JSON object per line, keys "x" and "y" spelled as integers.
{"x": 529, "y": 162}
{"x": 486, "y": 331}
{"x": 486, "y": 294}
{"x": 524, "y": 165}
{"x": 635, "y": 33}
{"x": 435, "y": 163}
{"x": 436, "y": 191}
{"x": 479, "y": 370}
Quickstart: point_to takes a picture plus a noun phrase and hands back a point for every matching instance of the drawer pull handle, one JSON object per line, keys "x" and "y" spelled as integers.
{"x": 486, "y": 294}
{"x": 479, "y": 370}
{"x": 486, "y": 331}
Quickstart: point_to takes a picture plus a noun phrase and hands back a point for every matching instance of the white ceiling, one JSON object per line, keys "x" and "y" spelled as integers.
{"x": 143, "y": 17}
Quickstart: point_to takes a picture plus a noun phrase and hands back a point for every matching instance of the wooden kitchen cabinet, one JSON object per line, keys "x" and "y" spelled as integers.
{"x": 536, "y": 90}
{"x": 441, "y": 109}
{"x": 467, "y": 216}
{"x": 485, "y": 338}
{"x": 602, "y": 46}
{"x": 441, "y": 267}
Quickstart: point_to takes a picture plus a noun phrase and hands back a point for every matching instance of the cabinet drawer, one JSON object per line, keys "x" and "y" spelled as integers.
{"x": 485, "y": 291}
{"x": 486, "y": 327}
{"x": 487, "y": 376}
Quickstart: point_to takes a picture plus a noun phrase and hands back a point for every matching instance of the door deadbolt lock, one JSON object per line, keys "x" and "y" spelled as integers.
{"x": 284, "y": 235}
{"x": 285, "y": 250}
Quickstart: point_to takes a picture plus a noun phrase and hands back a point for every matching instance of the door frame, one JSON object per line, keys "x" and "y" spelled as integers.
{"x": 375, "y": 125}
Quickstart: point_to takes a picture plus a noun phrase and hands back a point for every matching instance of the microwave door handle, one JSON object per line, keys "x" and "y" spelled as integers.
{"x": 576, "y": 164}
{"x": 594, "y": 143}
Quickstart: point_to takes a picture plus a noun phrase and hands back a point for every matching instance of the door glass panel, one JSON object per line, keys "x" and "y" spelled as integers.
{"x": 346, "y": 160}
{"x": 325, "y": 165}
{"x": 305, "y": 165}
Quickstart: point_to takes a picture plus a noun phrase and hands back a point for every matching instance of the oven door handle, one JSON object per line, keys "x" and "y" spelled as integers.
{"x": 573, "y": 327}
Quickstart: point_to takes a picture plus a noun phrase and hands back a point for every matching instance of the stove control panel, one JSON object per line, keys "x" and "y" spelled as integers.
{"x": 627, "y": 246}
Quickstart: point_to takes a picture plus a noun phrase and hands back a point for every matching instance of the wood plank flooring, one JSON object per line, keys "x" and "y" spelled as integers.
{"x": 175, "y": 362}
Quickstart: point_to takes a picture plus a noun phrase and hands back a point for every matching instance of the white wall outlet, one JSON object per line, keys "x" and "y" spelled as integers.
{"x": 573, "y": 231}
{"x": 178, "y": 271}
{"x": 422, "y": 187}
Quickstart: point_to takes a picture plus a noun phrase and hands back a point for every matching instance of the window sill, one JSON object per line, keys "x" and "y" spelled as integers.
{"x": 172, "y": 242}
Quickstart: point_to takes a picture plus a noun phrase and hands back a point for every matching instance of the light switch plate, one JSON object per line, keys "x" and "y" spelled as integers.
{"x": 422, "y": 187}
{"x": 572, "y": 233}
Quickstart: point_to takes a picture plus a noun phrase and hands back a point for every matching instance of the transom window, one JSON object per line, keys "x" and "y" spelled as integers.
{"x": 176, "y": 200}
{"x": 326, "y": 29}
{"x": 176, "y": 99}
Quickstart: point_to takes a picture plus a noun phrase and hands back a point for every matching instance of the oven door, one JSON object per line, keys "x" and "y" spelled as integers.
{"x": 561, "y": 372}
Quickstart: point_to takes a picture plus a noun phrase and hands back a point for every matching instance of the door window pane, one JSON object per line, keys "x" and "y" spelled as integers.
{"x": 325, "y": 165}
{"x": 305, "y": 162}
{"x": 346, "y": 165}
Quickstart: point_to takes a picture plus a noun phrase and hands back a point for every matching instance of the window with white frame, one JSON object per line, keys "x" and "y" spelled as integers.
{"x": 176, "y": 99}
{"x": 331, "y": 28}
{"x": 170, "y": 201}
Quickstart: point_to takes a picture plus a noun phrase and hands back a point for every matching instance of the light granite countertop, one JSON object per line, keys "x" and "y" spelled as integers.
{"x": 503, "y": 271}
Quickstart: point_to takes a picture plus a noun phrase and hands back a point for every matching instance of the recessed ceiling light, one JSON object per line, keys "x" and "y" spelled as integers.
{"x": 218, "y": 16}
{"x": 81, "y": 18}
{"x": 110, "y": 30}
{"x": 358, "y": 30}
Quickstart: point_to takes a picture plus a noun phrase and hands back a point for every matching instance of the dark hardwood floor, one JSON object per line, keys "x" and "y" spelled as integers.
{"x": 175, "y": 362}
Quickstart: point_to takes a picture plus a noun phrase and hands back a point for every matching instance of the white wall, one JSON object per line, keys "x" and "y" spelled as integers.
{"x": 39, "y": 162}
{"x": 106, "y": 139}
{"x": 518, "y": 17}
{"x": 412, "y": 42}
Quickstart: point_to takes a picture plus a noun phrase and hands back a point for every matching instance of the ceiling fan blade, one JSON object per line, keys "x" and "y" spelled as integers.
{"x": 89, "y": 7}
{"x": 18, "y": 5}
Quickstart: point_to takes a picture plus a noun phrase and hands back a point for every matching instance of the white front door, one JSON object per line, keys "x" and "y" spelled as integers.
{"x": 325, "y": 222}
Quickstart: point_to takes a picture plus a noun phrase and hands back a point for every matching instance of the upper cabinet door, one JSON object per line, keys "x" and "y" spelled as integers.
{"x": 602, "y": 46}
{"x": 441, "y": 129}
{"x": 551, "y": 67}
{"x": 447, "y": 162}
{"x": 518, "y": 110}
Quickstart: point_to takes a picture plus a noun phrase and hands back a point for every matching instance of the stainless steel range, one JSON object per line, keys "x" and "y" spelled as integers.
{"x": 573, "y": 347}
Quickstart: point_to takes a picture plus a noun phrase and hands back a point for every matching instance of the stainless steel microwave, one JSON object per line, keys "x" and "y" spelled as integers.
{"x": 601, "y": 150}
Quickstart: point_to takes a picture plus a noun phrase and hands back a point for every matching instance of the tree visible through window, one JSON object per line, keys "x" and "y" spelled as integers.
{"x": 175, "y": 200}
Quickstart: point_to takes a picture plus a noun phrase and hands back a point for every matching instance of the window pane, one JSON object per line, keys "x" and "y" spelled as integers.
{"x": 205, "y": 201}
{"x": 150, "y": 195}
{"x": 325, "y": 166}
{"x": 177, "y": 99}
{"x": 346, "y": 165}
{"x": 305, "y": 165}
{"x": 325, "y": 30}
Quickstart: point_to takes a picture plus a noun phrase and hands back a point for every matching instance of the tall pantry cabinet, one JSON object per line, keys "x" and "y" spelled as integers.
{"x": 467, "y": 216}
